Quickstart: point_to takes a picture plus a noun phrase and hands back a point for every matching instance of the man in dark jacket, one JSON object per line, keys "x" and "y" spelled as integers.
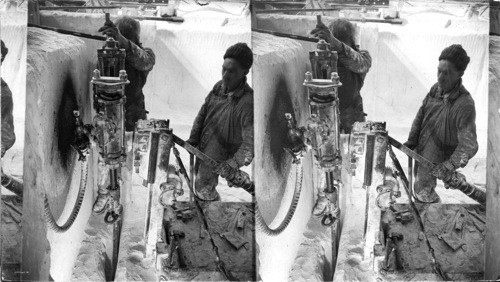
{"x": 353, "y": 65}
{"x": 8, "y": 134}
{"x": 444, "y": 130}
{"x": 139, "y": 62}
{"x": 223, "y": 128}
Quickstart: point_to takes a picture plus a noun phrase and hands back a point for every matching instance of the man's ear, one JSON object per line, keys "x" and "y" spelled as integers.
{"x": 247, "y": 71}
{"x": 461, "y": 73}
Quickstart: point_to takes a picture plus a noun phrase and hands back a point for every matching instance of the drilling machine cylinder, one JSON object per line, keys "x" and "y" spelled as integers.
{"x": 322, "y": 128}
{"x": 109, "y": 123}
{"x": 322, "y": 88}
{"x": 108, "y": 128}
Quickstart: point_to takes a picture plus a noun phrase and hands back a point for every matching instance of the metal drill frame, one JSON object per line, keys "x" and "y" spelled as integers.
{"x": 111, "y": 58}
{"x": 109, "y": 122}
{"x": 323, "y": 60}
{"x": 323, "y": 128}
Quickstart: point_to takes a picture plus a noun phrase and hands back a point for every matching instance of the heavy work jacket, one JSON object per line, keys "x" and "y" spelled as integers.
{"x": 138, "y": 63}
{"x": 223, "y": 128}
{"x": 446, "y": 123}
{"x": 8, "y": 134}
{"x": 352, "y": 67}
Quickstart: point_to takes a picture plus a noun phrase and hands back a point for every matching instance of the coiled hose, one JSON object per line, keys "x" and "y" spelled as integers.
{"x": 261, "y": 223}
{"x": 49, "y": 217}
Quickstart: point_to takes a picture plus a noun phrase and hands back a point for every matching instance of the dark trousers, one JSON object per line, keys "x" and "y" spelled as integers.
{"x": 425, "y": 182}
{"x": 205, "y": 182}
{"x": 349, "y": 116}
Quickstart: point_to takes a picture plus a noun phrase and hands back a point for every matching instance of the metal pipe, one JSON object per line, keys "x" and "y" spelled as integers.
{"x": 266, "y": 11}
{"x": 74, "y": 33}
{"x": 287, "y": 35}
{"x": 350, "y": 6}
{"x": 136, "y": 4}
{"x": 453, "y": 2}
{"x": 161, "y": 19}
{"x": 276, "y": 11}
{"x": 78, "y": 7}
{"x": 331, "y": 3}
{"x": 410, "y": 174}
{"x": 12, "y": 184}
{"x": 62, "y": 2}
{"x": 191, "y": 173}
{"x": 278, "y": 3}
{"x": 370, "y": 148}
{"x": 113, "y": 179}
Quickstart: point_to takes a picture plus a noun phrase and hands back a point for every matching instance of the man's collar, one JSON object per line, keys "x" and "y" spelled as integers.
{"x": 453, "y": 94}
{"x": 238, "y": 91}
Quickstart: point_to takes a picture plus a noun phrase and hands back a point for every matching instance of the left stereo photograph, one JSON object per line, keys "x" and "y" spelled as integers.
{"x": 13, "y": 33}
{"x": 136, "y": 123}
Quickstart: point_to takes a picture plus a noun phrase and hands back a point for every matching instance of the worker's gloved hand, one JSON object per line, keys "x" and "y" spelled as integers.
{"x": 106, "y": 25}
{"x": 110, "y": 29}
{"x": 444, "y": 171}
{"x": 224, "y": 169}
{"x": 455, "y": 180}
{"x": 410, "y": 145}
{"x": 322, "y": 32}
{"x": 242, "y": 180}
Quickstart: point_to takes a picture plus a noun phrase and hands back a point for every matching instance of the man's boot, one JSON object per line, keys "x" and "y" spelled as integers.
{"x": 100, "y": 202}
{"x": 207, "y": 194}
{"x": 427, "y": 197}
{"x": 322, "y": 204}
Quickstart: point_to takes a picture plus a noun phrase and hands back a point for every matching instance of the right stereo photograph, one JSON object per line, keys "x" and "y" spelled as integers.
{"x": 375, "y": 135}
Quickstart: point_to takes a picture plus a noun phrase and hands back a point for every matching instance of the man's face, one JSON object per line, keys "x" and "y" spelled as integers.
{"x": 448, "y": 75}
{"x": 232, "y": 73}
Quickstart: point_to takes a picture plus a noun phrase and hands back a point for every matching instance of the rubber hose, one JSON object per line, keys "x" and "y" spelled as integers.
{"x": 49, "y": 217}
{"x": 262, "y": 225}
